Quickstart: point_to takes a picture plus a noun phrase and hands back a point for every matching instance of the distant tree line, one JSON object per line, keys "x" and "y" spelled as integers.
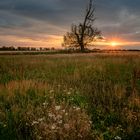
{"x": 12, "y": 48}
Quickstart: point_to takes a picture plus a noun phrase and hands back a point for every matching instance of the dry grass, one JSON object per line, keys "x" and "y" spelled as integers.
{"x": 82, "y": 96}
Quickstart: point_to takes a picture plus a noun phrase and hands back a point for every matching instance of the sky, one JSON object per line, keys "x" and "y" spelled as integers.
{"x": 42, "y": 23}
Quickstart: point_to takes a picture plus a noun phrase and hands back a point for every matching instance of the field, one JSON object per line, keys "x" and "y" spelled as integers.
{"x": 70, "y": 97}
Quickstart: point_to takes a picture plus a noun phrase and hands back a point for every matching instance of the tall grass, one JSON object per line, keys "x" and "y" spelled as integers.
{"x": 69, "y": 97}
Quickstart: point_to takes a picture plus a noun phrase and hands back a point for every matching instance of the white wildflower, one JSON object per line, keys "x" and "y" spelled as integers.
{"x": 45, "y": 104}
{"x": 60, "y": 122}
{"x": 35, "y": 122}
{"x": 4, "y": 125}
{"x": 39, "y": 137}
{"x": 59, "y": 85}
{"x": 53, "y": 127}
{"x": 69, "y": 93}
{"x": 79, "y": 135}
{"x": 26, "y": 124}
{"x": 58, "y": 117}
{"x": 74, "y": 107}
{"x": 63, "y": 111}
{"x": 90, "y": 122}
{"x": 41, "y": 119}
{"x": 57, "y": 108}
{"x": 51, "y": 115}
{"x": 117, "y": 138}
{"x": 52, "y": 91}
{"x": 77, "y": 108}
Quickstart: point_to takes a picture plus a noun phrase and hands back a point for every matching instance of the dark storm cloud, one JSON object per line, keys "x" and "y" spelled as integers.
{"x": 54, "y": 11}
{"x": 33, "y": 18}
{"x": 119, "y": 17}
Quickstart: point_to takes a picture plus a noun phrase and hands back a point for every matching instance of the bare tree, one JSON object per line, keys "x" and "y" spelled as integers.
{"x": 83, "y": 34}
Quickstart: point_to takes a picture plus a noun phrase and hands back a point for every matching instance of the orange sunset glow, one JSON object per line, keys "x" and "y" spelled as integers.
{"x": 45, "y": 41}
{"x": 116, "y": 43}
{"x": 56, "y": 42}
{"x": 21, "y": 27}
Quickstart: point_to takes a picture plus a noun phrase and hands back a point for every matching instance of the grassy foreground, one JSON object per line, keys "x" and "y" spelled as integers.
{"x": 69, "y": 97}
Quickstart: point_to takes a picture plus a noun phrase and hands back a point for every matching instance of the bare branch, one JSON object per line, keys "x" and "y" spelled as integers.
{"x": 84, "y": 33}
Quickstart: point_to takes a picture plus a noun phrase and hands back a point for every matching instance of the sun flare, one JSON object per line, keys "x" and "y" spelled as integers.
{"x": 113, "y": 44}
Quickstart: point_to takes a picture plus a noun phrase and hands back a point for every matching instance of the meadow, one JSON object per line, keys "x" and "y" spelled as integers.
{"x": 70, "y": 97}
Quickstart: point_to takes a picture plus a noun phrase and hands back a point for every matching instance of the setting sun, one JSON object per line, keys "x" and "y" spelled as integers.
{"x": 114, "y": 44}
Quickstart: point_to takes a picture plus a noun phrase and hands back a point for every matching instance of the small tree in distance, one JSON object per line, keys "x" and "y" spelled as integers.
{"x": 83, "y": 34}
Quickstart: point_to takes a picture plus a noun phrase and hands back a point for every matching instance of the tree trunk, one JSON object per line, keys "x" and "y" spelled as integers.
{"x": 82, "y": 47}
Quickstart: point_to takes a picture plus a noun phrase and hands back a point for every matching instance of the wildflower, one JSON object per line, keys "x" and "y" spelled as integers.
{"x": 63, "y": 110}
{"x": 58, "y": 117}
{"x": 117, "y": 138}
{"x": 79, "y": 135}
{"x": 52, "y": 91}
{"x": 50, "y": 115}
{"x": 69, "y": 93}
{"x": 4, "y": 125}
{"x": 60, "y": 122}
{"x": 35, "y": 122}
{"x": 53, "y": 127}
{"x": 45, "y": 104}
{"x": 66, "y": 114}
{"x": 90, "y": 122}
{"x": 77, "y": 108}
{"x": 41, "y": 119}
{"x": 64, "y": 90}
{"x": 39, "y": 137}
{"x": 26, "y": 124}
{"x": 59, "y": 85}
{"x": 57, "y": 108}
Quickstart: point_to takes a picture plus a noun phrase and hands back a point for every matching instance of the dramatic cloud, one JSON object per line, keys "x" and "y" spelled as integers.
{"x": 34, "y": 22}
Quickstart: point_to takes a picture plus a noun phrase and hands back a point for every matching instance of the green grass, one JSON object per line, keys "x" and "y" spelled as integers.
{"x": 93, "y": 90}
